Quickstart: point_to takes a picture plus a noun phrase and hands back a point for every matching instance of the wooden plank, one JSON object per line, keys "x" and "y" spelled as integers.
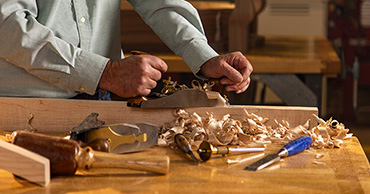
{"x": 60, "y": 116}
{"x": 25, "y": 164}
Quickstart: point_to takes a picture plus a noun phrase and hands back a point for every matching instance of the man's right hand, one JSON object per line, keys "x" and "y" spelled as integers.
{"x": 133, "y": 76}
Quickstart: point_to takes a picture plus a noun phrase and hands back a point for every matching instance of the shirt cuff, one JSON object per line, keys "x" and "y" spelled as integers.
{"x": 196, "y": 54}
{"x": 87, "y": 72}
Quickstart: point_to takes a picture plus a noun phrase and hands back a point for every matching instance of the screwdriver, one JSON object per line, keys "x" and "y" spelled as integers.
{"x": 294, "y": 147}
{"x": 185, "y": 146}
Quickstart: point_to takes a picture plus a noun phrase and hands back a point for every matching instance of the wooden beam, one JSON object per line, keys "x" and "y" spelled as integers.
{"x": 60, "y": 116}
{"x": 24, "y": 163}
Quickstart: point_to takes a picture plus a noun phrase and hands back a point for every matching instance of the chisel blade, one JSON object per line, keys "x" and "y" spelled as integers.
{"x": 295, "y": 146}
{"x": 266, "y": 161}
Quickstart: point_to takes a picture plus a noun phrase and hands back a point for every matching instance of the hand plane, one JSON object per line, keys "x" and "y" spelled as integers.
{"x": 174, "y": 95}
{"x": 122, "y": 138}
{"x": 125, "y": 138}
{"x": 181, "y": 99}
{"x": 180, "y": 95}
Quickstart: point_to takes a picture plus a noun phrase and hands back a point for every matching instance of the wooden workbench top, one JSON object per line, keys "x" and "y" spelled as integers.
{"x": 282, "y": 54}
{"x": 344, "y": 170}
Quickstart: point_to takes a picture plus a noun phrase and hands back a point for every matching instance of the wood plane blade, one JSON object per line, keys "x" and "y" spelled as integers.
{"x": 184, "y": 99}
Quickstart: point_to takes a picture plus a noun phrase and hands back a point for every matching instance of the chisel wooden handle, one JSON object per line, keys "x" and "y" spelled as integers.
{"x": 66, "y": 156}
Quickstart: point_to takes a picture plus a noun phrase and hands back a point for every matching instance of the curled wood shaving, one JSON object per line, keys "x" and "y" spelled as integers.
{"x": 318, "y": 163}
{"x": 252, "y": 131}
{"x": 329, "y": 134}
{"x": 318, "y": 156}
{"x": 29, "y": 118}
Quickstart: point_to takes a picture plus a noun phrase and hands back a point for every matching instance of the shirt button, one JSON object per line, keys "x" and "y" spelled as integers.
{"x": 82, "y": 89}
{"x": 82, "y": 19}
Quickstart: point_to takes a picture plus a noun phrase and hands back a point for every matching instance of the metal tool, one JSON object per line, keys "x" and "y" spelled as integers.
{"x": 181, "y": 99}
{"x": 89, "y": 123}
{"x": 185, "y": 146}
{"x": 122, "y": 138}
{"x": 126, "y": 138}
{"x": 295, "y": 146}
{"x": 206, "y": 150}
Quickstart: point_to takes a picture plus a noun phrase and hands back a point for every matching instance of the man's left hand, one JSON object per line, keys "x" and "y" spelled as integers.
{"x": 234, "y": 70}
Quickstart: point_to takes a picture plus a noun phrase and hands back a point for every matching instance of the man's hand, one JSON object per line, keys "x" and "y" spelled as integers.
{"x": 233, "y": 69}
{"x": 132, "y": 76}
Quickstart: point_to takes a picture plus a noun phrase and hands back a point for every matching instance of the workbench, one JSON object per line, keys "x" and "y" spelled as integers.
{"x": 344, "y": 170}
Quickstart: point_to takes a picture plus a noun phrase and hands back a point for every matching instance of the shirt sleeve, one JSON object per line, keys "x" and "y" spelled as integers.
{"x": 179, "y": 26}
{"x": 33, "y": 47}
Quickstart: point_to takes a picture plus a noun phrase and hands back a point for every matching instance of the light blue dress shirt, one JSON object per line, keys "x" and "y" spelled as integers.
{"x": 59, "y": 48}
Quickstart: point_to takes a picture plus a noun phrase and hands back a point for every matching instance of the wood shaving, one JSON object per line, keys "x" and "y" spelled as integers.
{"x": 252, "y": 131}
{"x": 318, "y": 156}
{"x": 29, "y": 118}
{"x": 318, "y": 163}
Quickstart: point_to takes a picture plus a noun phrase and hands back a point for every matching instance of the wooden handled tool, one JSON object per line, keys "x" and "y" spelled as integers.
{"x": 207, "y": 150}
{"x": 185, "y": 146}
{"x": 66, "y": 156}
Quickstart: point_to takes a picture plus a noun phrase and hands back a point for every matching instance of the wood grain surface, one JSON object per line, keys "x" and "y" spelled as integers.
{"x": 23, "y": 163}
{"x": 60, "y": 116}
{"x": 344, "y": 170}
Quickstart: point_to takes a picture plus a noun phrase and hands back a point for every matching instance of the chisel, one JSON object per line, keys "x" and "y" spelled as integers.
{"x": 294, "y": 147}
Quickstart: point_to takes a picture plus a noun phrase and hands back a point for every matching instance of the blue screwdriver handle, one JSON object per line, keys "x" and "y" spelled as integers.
{"x": 298, "y": 145}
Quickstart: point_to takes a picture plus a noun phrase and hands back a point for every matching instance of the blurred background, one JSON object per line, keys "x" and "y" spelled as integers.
{"x": 304, "y": 52}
